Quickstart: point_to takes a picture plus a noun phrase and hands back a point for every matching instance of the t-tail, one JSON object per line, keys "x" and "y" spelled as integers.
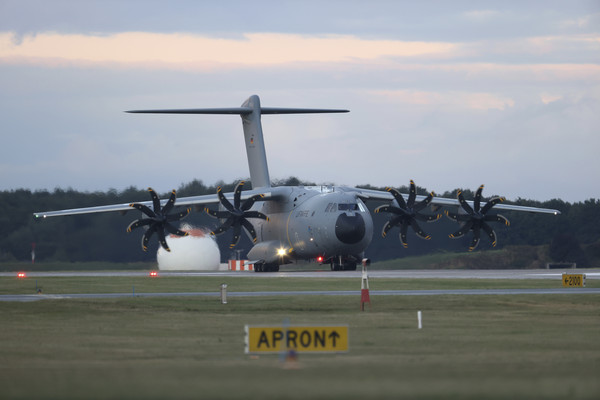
{"x": 251, "y": 112}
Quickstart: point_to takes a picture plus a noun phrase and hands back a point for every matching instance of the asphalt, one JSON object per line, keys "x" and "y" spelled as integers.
{"x": 378, "y": 274}
{"x": 591, "y": 273}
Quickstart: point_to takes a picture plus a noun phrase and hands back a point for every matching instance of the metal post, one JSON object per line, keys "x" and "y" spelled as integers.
{"x": 223, "y": 293}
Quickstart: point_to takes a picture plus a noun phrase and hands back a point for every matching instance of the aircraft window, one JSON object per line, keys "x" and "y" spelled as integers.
{"x": 350, "y": 207}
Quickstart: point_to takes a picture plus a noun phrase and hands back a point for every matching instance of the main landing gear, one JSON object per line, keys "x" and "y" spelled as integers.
{"x": 262, "y": 267}
{"x": 343, "y": 266}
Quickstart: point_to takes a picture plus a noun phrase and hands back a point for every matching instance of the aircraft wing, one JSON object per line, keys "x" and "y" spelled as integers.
{"x": 378, "y": 195}
{"x": 183, "y": 201}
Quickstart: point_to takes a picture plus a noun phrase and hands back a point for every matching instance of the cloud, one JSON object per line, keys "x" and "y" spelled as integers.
{"x": 481, "y": 15}
{"x": 476, "y": 101}
{"x": 157, "y": 50}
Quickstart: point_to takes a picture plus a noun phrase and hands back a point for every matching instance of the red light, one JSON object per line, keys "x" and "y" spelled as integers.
{"x": 21, "y": 275}
{"x": 153, "y": 273}
{"x": 320, "y": 259}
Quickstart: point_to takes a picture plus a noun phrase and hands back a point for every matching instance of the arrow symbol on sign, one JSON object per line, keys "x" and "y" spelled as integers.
{"x": 334, "y": 336}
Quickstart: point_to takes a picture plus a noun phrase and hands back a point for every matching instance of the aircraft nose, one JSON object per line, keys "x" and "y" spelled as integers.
{"x": 350, "y": 229}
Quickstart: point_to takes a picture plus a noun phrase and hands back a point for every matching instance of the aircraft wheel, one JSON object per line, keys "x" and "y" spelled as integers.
{"x": 258, "y": 267}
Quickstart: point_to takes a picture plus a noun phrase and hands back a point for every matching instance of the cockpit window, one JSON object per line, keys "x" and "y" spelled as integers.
{"x": 348, "y": 207}
{"x": 331, "y": 207}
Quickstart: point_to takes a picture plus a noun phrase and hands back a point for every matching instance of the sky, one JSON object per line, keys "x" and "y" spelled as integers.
{"x": 451, "y": 94}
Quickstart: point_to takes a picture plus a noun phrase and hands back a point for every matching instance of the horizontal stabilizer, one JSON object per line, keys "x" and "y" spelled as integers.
{"x": 240, "y": 111}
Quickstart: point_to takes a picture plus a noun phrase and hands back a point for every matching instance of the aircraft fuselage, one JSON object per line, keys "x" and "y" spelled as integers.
{"x": 313, "y": 223}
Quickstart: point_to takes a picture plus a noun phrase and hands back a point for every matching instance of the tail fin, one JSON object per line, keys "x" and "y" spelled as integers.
{"x": 251, "y": 112}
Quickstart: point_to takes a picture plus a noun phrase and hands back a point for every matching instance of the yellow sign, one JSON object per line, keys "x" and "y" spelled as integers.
{"x": 573, "y": 280}
{"x": 276, "y": 339}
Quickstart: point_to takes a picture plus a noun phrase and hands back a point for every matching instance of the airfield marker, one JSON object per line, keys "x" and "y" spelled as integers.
{"x": 419, "y": 320}
{"x": 364, "y": 286}
{"x": 223, "y": 293}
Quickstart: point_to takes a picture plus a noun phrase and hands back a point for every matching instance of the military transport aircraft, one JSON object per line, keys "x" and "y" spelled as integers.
{"x": 330, "y": 224}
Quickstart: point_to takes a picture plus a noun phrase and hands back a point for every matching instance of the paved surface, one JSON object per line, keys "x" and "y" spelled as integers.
{"x": 356, "y": 293}
{"x": 406, "y": 274}
{"x": 591, "y": 273}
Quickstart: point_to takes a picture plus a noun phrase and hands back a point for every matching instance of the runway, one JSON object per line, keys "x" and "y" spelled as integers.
{"x": 591, "y": 273}
{"x": 356, "y": 293}
{"x": 377, "y": 274}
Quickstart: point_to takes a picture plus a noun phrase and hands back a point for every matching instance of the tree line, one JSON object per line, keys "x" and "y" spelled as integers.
{"x": 574, "y": 235}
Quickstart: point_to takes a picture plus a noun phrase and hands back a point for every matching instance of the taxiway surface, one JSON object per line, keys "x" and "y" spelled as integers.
{"x": 380, "y": 274}
{"x": 591, "y": 273}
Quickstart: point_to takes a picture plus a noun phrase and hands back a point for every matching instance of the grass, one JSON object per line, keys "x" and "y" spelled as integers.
{"x": 479, "y": 347}
{"x": 141, "y": 284}
{"x": 15, "y": 266}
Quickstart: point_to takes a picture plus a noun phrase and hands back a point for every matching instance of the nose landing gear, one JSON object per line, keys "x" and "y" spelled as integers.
{"x": 341, "y": 264}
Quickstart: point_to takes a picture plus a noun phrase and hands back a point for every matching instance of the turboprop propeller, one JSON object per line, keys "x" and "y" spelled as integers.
{"x": 236, "y": 215}
{"x": 159, "y": 220}
{"x": 407, "y": 213}
{"x": 475, "y": 218}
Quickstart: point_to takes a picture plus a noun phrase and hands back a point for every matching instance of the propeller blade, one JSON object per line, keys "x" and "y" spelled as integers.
{"x": 255, "y": 214}
{"x": 174, "y": 231}
{"x": 403, "y": 230}
{"x": 428, "y": 218}
{"x": 475, "y": 241}
{"x": 390, "y": 224}
{"x": 217, "y": 214}
{"x": 167, "y": 208}
{"x": 226, "y": 225}
{"x": 179, "y": 216}
{"x": 224, "y": 200}
{"x": 250, "y": 229}
{"x": 147, "y": 236}
{"x": 420, "y": 232}
{"x": 464, "y": 204}
{"x": 491, "y": 204}
{"x": 451, "y": 215}
{"x": 155, "y": 200}
{"x": 162, "y": 240}
{"x": 399, "y": 198}
{"x": 144, "y": 209}
{"x": 457, "y": 217}
{"x": 412, "y": 195}
{"x": 497, "y": 218}
{"x": 237, "y": 192}
{"x": 463, "y": 230}
{"x": 250, "y": 201}
{"x": 139, "y": 222}
{"x": 237, "y": 229}
{"x": 390, "y": 209}
{"x": 477, "y": 200}
{"x": 490, "y": 232}
{"x": 424, "y": 203}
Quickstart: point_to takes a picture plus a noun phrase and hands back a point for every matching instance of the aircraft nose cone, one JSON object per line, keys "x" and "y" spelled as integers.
{"x": 350, "y": 229}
